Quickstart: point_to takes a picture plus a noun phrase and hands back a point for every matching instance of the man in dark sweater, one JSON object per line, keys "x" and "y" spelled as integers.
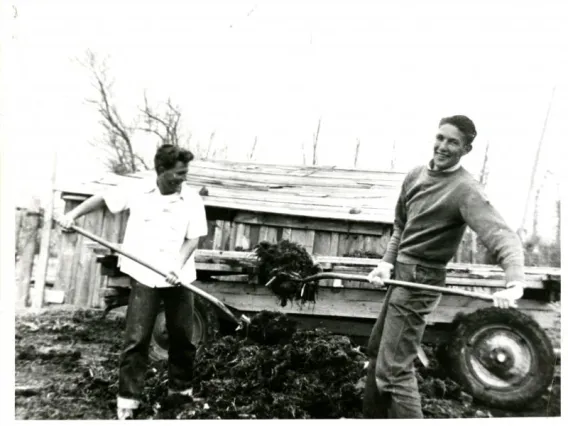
{"x": 435, "y": 205}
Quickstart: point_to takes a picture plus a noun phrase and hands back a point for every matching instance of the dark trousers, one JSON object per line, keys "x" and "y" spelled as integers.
{"x": 143, "y": 307}
{"x": 391, "y": 389}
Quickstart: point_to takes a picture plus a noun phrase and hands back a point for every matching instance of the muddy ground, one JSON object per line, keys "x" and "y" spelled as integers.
{"x": 66, "y": 368}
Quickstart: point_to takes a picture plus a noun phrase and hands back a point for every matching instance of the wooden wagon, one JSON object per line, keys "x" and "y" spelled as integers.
{"x": 344, "y": 219}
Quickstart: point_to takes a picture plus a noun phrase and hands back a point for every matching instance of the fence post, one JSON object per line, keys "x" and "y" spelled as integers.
{"x": 43, "y": 259}
{"x": 24, "y": 267}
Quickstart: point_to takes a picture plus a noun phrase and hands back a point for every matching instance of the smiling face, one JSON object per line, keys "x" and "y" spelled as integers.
{"x": 170, "y": 180}
{"x": 450, "y": 146}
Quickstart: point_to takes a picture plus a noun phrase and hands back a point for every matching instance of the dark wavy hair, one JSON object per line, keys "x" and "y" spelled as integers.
{"x": 463, "y": 123}
{"x": 168, "y": 155}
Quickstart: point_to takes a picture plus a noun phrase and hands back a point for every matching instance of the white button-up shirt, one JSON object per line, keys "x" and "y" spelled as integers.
{"x": 156, "y": 229}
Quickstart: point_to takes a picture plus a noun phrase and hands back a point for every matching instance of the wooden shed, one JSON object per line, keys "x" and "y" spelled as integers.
{"x": 329, "y": 211}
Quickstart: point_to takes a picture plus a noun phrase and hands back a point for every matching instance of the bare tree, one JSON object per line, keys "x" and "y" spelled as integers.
{"x": 357, "y": 146}
{"x": 117, "y": 136}
{"x": 315, "y": 144}
{"x": 537, "y": 160}
{"x": 393, "y": 155}
{"x": 210, "y": 145}
{"x": 164, "y": 124}
{"x": 253, "y": 149}
{"x": 484, "y": 175}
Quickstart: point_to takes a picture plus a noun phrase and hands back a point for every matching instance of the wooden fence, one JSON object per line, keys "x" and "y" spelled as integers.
{"x": 28, "y": 225}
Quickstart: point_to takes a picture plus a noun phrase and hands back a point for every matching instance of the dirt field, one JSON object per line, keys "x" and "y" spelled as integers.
{"x": 66, "y": 368}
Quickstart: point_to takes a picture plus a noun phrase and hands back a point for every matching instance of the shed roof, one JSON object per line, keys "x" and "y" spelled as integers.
{"x": 311, "y": 191}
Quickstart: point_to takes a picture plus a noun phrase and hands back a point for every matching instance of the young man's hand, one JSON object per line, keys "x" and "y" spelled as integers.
{"x": 508, "y": 298}
{"x": 65, "y": 221}
{"x": 173, "y": 278}
{"x": 380, "y": 273}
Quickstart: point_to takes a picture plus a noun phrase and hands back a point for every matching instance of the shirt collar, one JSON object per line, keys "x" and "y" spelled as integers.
{"x": 451, "y": 169}
{"x": 152, "y": 187}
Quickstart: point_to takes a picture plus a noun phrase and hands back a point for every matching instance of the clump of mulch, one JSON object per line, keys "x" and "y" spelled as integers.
{"x": 312, "y": 375}
{"x": 271, "y": 328}
{"x": 276, "y": 262}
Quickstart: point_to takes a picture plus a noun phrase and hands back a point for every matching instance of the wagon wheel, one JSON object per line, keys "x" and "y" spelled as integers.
{"x": 205, "y": 327}
{"x": 502, "y": 357}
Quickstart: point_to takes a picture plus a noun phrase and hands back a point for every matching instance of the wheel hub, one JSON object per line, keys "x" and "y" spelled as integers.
{"x": 499, "y": 357}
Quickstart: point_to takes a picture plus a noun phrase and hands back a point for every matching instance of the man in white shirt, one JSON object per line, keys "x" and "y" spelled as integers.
{"x": 165, "y": 223}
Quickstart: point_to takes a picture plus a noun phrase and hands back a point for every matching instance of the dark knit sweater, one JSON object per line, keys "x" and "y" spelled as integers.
{"x": 431, "y": 216}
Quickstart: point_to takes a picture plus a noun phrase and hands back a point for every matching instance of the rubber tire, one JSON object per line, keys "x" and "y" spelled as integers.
{"x": 206, "y": 328}
{"x": 542, "y": 368}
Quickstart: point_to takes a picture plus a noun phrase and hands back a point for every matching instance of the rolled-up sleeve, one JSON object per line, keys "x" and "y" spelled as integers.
{"x": 117, "y": 198}
{"x": 197, "y": 226}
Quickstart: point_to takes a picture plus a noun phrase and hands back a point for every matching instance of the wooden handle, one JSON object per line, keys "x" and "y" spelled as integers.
{"x": 161, "y": 272}
{"x": 443, "y": 290}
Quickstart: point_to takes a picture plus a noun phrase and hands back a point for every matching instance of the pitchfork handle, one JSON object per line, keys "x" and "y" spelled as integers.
{"x": 443, "y": 290}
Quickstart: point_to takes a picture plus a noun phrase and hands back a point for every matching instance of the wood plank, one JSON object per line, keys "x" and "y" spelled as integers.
{"x": 322, "y": 243}
{"x": 233, "y": 238}
{"x": 335, "y": 203}
{"x": 227, "y": 232}
{"x": 50, "y": 296}
{"x": 243, "y": 237}
{"x": 272, "y": 235}
{"x": 219, "y": 267}
{"x": 254, "y": 235}
{"x": 344, "y": 244}
{"x": 268, "y": 234}
{"x": 334, "y": 244}
{"x": 369, "y": 244}
{"x": 286, "y": 233}
{"x": 75, "y": 262}
{"x": 373, "y": 215}
{"x": 66, "y": 264}
{"x": 110, "y": 232}
{"x": 291, "y": 170}
{"x": 217, "y": 235}
{"x": 317, "y": 175}
{"x": 304, "y": 238}
{"x": 352, "y": 227}
{"x": 24, "y": 265}
{"x": 320, "y": 194}
{"x": 88, "y": 276}
{"x": 357, "y": 244}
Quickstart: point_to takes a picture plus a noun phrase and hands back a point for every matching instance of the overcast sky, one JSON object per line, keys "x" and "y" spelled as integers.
{"x": 381, "y": 72}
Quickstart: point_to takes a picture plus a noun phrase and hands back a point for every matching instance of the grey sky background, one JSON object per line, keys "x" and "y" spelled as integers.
{"x": 382, "y": 72}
